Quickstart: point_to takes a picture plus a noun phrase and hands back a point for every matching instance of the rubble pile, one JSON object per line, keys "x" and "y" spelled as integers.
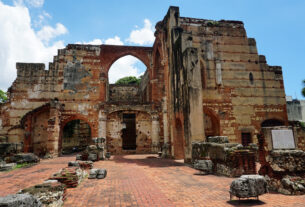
{"x": 70, "y": 176}
{"x": 51, "y": 193}
{"x": 288, "y": 185}
{"x": 82, "y": 164}
{"x": 229, "y": 159}
{"x": 290, "y": 161}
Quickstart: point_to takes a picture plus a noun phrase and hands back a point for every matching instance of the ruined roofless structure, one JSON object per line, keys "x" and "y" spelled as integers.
{"x": 203, "y": 78}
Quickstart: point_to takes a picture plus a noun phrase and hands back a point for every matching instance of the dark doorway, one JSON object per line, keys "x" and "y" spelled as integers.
{"x": 272, "y": 122}
{"x": 76, "y": 136}
{"x": 129, "y": 132}
{"x": 246, "y": 138}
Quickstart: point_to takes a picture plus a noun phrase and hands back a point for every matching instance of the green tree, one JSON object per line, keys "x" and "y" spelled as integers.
{"x": 128, "y": 80}
{"x": 3, "y": 96}
{"x": 303, "y": 90}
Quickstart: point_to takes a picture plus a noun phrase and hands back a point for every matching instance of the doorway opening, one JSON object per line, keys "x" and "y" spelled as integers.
{"x": 129, "y": 132}
{"x": 246, "y": 138}
{"x": 76, "y": 136}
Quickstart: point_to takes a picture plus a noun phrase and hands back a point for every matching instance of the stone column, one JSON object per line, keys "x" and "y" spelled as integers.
{"x": 54, "y": 128}
{"x": 165, "y": 148}
{"x": 195, "y": 126}
{"x": 155, "y": 129}
{"x": 102, "y": 124}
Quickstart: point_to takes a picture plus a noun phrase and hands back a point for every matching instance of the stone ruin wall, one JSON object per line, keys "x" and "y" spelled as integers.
{"x": 239, "y": 89}
{"x": 195, "y": 67}
{"x": 77, "y": 79}
{"x": 238, "y": 85}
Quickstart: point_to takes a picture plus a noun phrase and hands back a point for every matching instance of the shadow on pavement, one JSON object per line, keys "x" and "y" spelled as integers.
{"x": 149, "y": 160}
{"x": 246, "y": 202}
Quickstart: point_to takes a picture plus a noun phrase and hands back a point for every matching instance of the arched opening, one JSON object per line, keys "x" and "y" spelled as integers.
{"x": 76, "y": 136}
{"x": 178, "y": 140}
{"x": 272, "y": 122}
{"x": 125, "y": 76}
{"x": 211, "y": 123}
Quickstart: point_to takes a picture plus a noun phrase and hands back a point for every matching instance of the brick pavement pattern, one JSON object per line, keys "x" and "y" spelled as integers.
{"x": 142, "y": 180}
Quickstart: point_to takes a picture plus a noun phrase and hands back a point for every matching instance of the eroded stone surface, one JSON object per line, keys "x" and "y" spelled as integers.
{"x": 248, "y": 186}
{"x": 20, "y": 200}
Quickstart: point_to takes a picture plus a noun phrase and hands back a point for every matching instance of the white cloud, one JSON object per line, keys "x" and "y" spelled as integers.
{"x": 35, "y": 3}
{"x": 110, "y": 41}
{"x": 31, "y": 3}
{"x": 47, "y": 32}
{"x": 20, "y": 43}
{"x": 143, "y": 36}
{"x": 42, "y": 18}
{"x": 93, "y": 42}
{"x": 125, "y": 66}
{"x": 114, "y": 41}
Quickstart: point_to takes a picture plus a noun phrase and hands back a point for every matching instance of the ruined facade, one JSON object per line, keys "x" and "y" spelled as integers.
{"x": 203, "y": 78}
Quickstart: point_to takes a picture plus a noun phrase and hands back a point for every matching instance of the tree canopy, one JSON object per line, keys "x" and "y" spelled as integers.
{"x": 3, "y": 96}
{"x": 128, "y": 80}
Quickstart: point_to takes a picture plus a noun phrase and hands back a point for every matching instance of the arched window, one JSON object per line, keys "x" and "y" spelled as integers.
{"x": 125, "y": 66}
{"x": 124, "y": 79}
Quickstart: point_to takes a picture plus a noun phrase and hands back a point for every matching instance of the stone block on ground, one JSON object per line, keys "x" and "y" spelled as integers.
{"x": 102, "y": 173}
{"x": 218, "y": 139}
{"x": 97, "y": 173}
{"x": 92, "y": 157}
{"x": 248, "y": 186}
{"x": 25, "y": 158}
{"x": 85, "y": 164}
{"x": 20, "y": 200}
{"x": 78, "y": 157}
{"x": 50, "y": 194}
{"x": 7, "y": 166}
{"x": 204, "y": 165}
{"x": 93, "y": 173}
{"x": 73, "y": 164}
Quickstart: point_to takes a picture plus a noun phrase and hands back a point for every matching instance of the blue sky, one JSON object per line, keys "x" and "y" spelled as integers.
{"x": 278, "y": 27}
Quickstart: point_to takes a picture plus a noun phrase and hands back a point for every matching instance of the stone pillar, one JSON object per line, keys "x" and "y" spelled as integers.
{"x": 165, "y": 148}
{"x": 155, "y": 129}
{"x": 54, "y": 128}
{"x": 102, "y": 124}
{"x": 195, "y": 125}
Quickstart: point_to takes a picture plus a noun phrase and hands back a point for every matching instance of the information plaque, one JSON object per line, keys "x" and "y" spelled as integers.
{"x": 283, "y": 139}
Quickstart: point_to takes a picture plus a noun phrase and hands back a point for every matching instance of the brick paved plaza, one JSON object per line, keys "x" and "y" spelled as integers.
{"x": 141, "y": 180}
